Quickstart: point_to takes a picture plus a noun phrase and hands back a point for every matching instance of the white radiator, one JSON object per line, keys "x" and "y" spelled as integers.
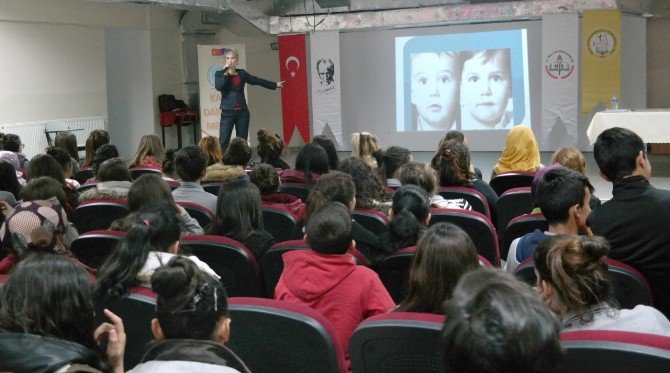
{"x": 35, "y": 141}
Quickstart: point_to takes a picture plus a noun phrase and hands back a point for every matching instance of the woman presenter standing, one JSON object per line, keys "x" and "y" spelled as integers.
{"x": 234, "y": 110}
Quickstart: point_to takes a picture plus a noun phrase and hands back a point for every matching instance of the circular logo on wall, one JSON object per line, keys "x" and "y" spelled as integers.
{"x": 602, "y": 43}
{"x": 559, "y": 64}
{"x": 210, "y": 73}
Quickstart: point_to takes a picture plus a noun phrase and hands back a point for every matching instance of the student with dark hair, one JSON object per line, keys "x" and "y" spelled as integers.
{"x": 191, "y": 322}
{"x": 326, "y": 277}
{"x": 573, "y": 158}
{"x": 235, "y": 159}
{"x": 239, "y": 216}
{"x": 270, "y": 148}
{"x": 460, "y": 137}
{"x": 563, "y": 196}
{"x": 44, "y": 188}
{"x": 310, "y": 164}
{"x": 13, "y": 144}
{"x": 452, "y": 163}
{"x": 11, "y": 158}
{"x": 265, "y": 177}
{"x": 423, "y": 175}
{"x": 150, "y": 242}
{"x": 443, "y": 254}
{"x": 148, "y": 190}
{"x": 169, "y": 172}
{"x": 103, "y": 153}
{"x": 47, "y": 321}
{"x": 68, "y": 142}
{"x": 95, "y": 140}
{"x": 573, "y": 281}
{"x": 65, "y": 163}
{"x": 328, "y": 145}
{"x": 389, "y": 161}
{"x": 635, "y": 220}
{"x": 339, "y": 187}
{"x": 496, "y": 323}
{"x": 46, "y": 165}
{"x": 115, "y": 182}
{"x": 10, "y": 189}
{"x": 409, "y": 216}
{"x": 190, "y": 163}
{"x": 370, "y": 193}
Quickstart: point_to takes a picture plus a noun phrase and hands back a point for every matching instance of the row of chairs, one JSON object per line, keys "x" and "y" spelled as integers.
{"x": 276, "y": 336}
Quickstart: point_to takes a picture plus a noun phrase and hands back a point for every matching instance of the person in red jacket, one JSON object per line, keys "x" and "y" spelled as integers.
{"x": 328, "y": 280}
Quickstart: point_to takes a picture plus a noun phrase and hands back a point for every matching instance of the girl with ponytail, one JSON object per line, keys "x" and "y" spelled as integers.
{"x": 152, "y": 240}
{"x": 572, "y": 280}
{"x": 452, "y": 163}
{"x": 191, "y": 323}
{"x": 363, "y": 146}
{"x": 409, "y": 215}
{"x": 389, "y": 162}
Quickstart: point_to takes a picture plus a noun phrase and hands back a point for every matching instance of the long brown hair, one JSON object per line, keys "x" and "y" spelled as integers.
{"x": 212, "y": 148}
{"x": 452, "y": 163}
{"x": 443, "y": 254}
{"x": 149, "y": 145}
{"x": 96, "y": 139}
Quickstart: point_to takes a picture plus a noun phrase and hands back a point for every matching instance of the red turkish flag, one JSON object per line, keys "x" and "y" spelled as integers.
{"x": 293, "y": 67}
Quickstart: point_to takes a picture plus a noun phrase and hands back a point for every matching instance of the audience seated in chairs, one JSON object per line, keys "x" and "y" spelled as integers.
{"x": 496, "y": 323}
{"x": 103, "y": 153}
{"x": 44, "y": 188}
{"x": 36, "y": 226}
{"x": 10, "y": 157}
{"x": 327, "y": 279}
{"x": 363, "y": 146}
{"x": 65, "y": 163}
{"x": 211, "y": 146}
{"x": 265, "y": 177}
{"x": 563, "y": 196}
{"x": 235, "y": 160}
{"x": 169, "y": 170}
{"x": 339, "y": 187}
{"x": 310, "y": 164}
{"x": 95, "y": 140}
{"x": 635, "y": 220}
{"x": 520, "y": 154}
{"x": 190, "y": 163}
{"x": 443, "y": 254}
{"x": 149, "y": 190}
{"x": 460, "y": 137}
{"x": 68, "y": 142}
{"x": 328, "y": 145}
{"x": 114, "y": 182}
{"x": 409, "y": 216}
{"x": 452, "y": 163}
{"x": 425, "y": 176}
{"x": 47, "y": 321}
{"x": 12, "y": 143}
{"x": 191, "y": 323}
{"x": 151, "y": 241}
{"x": 572, "y": 280}
{"x": 270, "y": 148}
{"x": 239, "y": 216}
{"x": 150, "y": 153}
{"x": 10, "y": 189}
{"x": 370, "y": 192}
{"x": 389, "y": 162}
{"x": 573, "y": 158}
{"x": 45, "y": 165}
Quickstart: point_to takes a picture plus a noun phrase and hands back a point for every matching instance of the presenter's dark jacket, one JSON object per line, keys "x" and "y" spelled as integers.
{"x": 231, "y": 95}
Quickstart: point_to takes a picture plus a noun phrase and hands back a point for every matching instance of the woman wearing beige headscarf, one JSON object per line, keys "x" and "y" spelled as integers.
{"x": 521, "y": 152}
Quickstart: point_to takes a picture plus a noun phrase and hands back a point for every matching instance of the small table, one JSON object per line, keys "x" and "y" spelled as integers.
{"x": 653, "y": 126}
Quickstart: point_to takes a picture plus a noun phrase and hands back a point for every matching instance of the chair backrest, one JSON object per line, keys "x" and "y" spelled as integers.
{"x": 173, "y": 184}
{"x": 281, "y": 223}
{"x": 477, "y": 226}
{"x": 520, "y": 226}
{"x": 526, "y": 272}
{"x": 82, "y": 175}
{"x": 393, "y": 271}
{"x": 92, "y": 248}
{"x": 300, "y": 190}
{"x": 198, "y": 212}
{"x": 272, "y": 264}
{"x": 276, "y": 336}
{"x": 615, "y": 351}
{"x": 212, "y": 187}
{"x": 136, "y": 309}
{"x": 229, "y": 259}
{"x": 87, "y": 186}
{"x": 514, "y": 202}
{"x": 96, "y": 214}
{"x": 397, "y": 342}
{"x": 136, "y": 172}
{"x": 509, "y": 180}
{"x": 630, "y": 287}
{"x": 474, "y": 198}
{"x": 372, "y": 220}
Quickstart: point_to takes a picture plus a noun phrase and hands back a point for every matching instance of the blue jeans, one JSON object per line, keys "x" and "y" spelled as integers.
{"x": 239, "y": 119}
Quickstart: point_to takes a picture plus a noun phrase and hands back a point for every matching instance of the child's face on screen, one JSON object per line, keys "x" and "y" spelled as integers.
{"x": 434, "y": 87}
{"x": 485, "y": 88}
